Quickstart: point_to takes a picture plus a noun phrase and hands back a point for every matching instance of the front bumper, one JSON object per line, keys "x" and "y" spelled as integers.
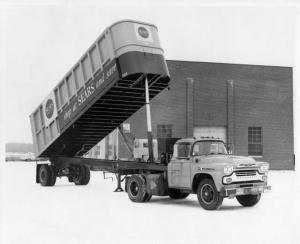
{"x": 236, "y": 191}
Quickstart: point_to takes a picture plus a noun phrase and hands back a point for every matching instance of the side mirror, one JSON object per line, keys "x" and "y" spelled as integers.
{"x": 229, "y": 147}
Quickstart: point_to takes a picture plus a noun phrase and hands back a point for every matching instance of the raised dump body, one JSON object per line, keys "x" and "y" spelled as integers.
{"x": 102, "y": 90}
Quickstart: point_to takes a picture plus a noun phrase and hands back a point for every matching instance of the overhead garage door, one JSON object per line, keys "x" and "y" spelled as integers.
{"x": 211, "y": 131}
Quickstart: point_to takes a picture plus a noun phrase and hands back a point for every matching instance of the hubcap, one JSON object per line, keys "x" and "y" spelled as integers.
{"x": 207, "y": 194}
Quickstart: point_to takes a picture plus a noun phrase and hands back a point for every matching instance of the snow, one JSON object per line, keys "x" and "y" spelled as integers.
{"x": 94, "y": 213}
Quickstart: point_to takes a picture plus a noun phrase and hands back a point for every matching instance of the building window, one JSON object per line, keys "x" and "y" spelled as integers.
{"x": 164, "y": 131}
{"x": 255, "y": 141}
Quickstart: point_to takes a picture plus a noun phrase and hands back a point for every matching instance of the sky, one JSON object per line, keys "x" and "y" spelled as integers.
{"x": 40, "y": 43}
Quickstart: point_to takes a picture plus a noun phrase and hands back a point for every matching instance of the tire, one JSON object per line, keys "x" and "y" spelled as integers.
{"x": 248, "y": 200}
{"x": 136, "y": 189}
{"x": 177, "y": 194}
{"x": 126, "y": 182}
{"x": 147, "y": 197}
{"x": 53, "y": 175}
{"x": 46, "y": 175}
{"x": 208, "y": 196}
{"x": 83, "y": 176}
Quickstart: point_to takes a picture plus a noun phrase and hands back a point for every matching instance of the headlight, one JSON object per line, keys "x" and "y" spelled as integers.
{"x": 228, "y": 170}
{"x": 264, "y": 168}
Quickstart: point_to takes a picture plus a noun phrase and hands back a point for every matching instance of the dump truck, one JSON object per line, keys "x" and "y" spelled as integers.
{"x": 119, "y": 74}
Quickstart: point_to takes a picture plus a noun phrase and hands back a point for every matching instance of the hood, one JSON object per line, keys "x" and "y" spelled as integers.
{"x": 235, "y": 161}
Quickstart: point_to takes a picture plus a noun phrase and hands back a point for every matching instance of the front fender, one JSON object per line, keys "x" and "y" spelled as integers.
{"x": 215, "y": 173}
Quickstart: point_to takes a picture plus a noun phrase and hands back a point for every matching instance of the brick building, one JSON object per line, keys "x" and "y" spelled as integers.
{"x": 248, "y": 106}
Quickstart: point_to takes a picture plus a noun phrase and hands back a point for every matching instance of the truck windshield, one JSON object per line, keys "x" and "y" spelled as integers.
{"x": 209, "y": 147}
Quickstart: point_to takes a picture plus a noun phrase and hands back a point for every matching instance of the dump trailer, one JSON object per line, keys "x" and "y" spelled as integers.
{"x": 103, "y": 89}
{"x": 121, "y": 72}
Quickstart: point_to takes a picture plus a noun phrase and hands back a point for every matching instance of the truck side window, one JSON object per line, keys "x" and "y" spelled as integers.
{"x": 183, "y": 150}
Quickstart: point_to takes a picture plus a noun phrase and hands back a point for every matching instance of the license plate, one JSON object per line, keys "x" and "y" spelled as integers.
{"x": 240, "y": 191}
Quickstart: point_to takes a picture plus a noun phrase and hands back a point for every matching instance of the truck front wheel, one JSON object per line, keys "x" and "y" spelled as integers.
{"x": 248, "y": 200}
{"x": 208, "y": 195}
{"x": 136, "y": 189}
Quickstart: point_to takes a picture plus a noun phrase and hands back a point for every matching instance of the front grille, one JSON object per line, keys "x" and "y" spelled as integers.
{"x": 245, "y": 173}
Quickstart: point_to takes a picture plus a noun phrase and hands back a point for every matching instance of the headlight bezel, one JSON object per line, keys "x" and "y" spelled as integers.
{"x": 264, "y": 168}
{"x": 228, "y": 170}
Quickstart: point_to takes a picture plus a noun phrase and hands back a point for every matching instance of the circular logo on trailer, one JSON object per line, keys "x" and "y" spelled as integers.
{"x": 143, "y": 32}
{"x": 49, "y": 110}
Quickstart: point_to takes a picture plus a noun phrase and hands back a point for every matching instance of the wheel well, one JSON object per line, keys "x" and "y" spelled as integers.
{"x": 198, "y": 178}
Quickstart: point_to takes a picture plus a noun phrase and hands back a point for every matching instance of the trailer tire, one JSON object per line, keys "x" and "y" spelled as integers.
{"x": 46, "y": 175}
{"x": 126, "y": 182}
{"x": 248, "y": 200}
{"x": 136, "y": 189}
{"x": 177, "y": 194}
{"x": 208, "y": 195}
{"x": 53, "y": 175}
{"x": 83, "y": 176}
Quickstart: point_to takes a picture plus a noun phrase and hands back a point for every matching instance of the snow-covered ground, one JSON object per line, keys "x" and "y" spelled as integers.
{"x": 95, "y": 214}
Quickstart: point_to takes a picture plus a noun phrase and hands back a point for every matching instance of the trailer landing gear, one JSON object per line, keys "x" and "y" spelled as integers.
{"x": 119, "y": 187}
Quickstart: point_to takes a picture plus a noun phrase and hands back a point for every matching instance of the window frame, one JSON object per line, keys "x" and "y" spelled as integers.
{"x": 256, "y": 132}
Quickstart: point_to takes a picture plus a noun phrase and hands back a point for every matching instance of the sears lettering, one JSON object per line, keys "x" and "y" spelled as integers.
{"x": 112, "y": 70}
{"x": 85, "y": 94}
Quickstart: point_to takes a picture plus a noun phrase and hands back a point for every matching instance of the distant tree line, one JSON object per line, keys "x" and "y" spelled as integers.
{"x": 19, "y": 147}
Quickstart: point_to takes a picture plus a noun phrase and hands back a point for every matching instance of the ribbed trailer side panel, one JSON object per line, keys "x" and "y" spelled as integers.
{"x": 92, "y": 92}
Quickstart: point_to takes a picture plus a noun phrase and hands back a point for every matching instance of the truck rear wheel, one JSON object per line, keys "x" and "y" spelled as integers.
{"x": 47, "y": 175}
{"x": 83, "y": 176}
{"x": 208, "y": 195}
{"x": 147, "y": 197}
{"x": 136, "y": 189}
{"x": 248, "y": 200}
{"x": 177, "y": 194}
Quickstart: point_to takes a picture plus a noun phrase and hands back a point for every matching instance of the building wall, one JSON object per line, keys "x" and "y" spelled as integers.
{"x": 260, "y": 96}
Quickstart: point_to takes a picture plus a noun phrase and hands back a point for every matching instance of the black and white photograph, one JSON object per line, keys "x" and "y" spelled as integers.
{"x": 149, "y": 121}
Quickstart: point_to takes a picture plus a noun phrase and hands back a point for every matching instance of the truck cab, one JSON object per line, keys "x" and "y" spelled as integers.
{"x": 203, "y": 166}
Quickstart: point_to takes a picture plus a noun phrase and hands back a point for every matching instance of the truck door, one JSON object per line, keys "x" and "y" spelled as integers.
{"x": 180, "y": 166}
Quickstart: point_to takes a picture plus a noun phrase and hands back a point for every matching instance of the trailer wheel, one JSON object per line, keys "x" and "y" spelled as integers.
{"x": 46, "y": 175}
{"x": 136, "y": 189}
{"x": 248, "y": 200}
{"x": 53, "y": 175}
{"x": 208, "y": 195}
{"x": 83, "y": 176}
{"x": 177, "y": 194}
